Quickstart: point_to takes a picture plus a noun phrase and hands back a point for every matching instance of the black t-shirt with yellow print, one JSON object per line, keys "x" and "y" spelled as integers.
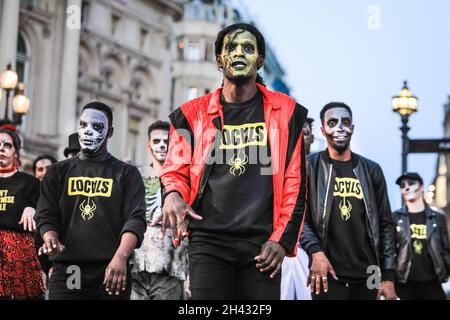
{"x": 421, "y": 264}
{"x": 349, "y": 250}
{"x": 91, "y": 204}
{"x": 17, "y": 192}
{"x": 238, "y": 197}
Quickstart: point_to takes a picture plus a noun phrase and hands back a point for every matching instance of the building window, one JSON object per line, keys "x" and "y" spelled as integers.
{"x": 21, "y": 59}
{"x": 84, "y": 13}
{"x": 193, "y": 51}
{"x": 107, "y": 78}
{"x": 180, "y": 50}
{"x": 209, "y": 51}
{"x": 143, "y": 39}
{"x": 192, "y": 93}
{"x": 115, "y": 23}
{"x": 136, "y": 89}
{"x": 133, "y": 138}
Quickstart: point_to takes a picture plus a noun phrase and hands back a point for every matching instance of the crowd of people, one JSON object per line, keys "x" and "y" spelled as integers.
{"x": 231, "y": 206}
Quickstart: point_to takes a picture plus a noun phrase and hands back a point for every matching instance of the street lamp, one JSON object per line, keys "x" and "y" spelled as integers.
{"x": 21, "y": 103}
{"x": 405, "y": 104}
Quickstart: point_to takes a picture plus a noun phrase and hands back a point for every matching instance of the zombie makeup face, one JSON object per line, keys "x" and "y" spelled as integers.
{"x": 7, "y": 151}
{"x": 158, "y": 144}
{"x": 411, "y": 190}
{"x": 308, "y": 137}
{"x": 239, "y": 58}
{"x": 338, "y": 128}
{"x": 41, "y": 168}
{"x": 92, "y": 130}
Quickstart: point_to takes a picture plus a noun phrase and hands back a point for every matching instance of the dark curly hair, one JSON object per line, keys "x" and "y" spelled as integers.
{"x": 260, "y": 41}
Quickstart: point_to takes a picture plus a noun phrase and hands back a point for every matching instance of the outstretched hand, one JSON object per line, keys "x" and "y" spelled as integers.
{"x": 27, "y": 219}
{"x": 270, "y": 258}
{"x": 175, "y": 215}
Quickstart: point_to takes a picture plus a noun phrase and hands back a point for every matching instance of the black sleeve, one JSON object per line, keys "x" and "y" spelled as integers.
{"x": 309, "y": 240}
{"x": 134, "y": 206}
{"x": 48, "y": 215}
{"x": 387, "y": 252}
{"x": 33, "y": 196}
{"x": 445, "y": 247}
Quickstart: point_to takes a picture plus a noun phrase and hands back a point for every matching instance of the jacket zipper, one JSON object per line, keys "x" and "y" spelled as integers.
{"x": 326, "y": 200}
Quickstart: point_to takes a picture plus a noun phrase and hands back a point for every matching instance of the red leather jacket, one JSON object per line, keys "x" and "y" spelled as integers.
{"x": 197, "y": 124}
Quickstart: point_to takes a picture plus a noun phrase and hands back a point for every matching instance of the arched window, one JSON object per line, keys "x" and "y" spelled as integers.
{"x": 21, "y": 59}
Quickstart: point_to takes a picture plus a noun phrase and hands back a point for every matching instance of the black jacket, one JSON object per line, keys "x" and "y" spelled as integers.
{"x": 321, "y": 178}
{"x": 437, "y": 239}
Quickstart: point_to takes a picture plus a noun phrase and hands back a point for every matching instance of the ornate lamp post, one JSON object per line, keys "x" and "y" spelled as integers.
{"x": 405, "y": 104}
{"x": 21, "y": 103}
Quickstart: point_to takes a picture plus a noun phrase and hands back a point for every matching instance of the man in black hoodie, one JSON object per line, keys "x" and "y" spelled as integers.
{"x": 91, "y": 215}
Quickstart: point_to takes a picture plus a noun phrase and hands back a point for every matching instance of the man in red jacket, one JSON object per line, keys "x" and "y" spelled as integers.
{"x": 235, "y": 171}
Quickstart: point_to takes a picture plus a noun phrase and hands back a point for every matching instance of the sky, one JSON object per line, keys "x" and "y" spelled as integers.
{"x": 360, "y": 52}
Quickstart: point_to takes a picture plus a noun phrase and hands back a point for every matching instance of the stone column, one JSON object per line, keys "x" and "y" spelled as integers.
{"x": 9, "y": 32}
{"x": 69, "y": 71}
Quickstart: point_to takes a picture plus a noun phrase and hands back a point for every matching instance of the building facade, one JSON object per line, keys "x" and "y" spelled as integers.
{"x": 143, "y": 58}
{"x": 70, "y": 52}
{"x": 195, "y": 71}
{"x": 438, "y": 193}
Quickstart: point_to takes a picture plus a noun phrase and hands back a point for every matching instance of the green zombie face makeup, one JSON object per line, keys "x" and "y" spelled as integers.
{"x": 239, "y": 57}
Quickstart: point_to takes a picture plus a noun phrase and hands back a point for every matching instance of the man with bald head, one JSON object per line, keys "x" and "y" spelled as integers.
{"x": 91, "y": 215}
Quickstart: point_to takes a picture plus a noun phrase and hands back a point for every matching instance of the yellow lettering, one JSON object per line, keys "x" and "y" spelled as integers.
{"x": 347, "y": 187}
{"x": 250, "y": 134}
{"x": 89, "y": 187}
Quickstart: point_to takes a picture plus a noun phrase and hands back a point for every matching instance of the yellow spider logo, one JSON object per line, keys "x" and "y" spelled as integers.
{"x": 345, "y": 210}
{"x": 418, "y": 246}
{"x": 238, "y": 164}
{"x": 87, "y": 209}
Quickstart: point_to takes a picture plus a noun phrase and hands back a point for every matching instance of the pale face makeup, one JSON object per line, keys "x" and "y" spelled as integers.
{"x": 158, "y": 144}
{"x": 92, "y": 130}
{"x": 338, "y": 128}
{"x": 239, "y": 57}
{"x": 41, "y": 168}
{"x": 7, "y": 151}
{"x": 411, "y": 190}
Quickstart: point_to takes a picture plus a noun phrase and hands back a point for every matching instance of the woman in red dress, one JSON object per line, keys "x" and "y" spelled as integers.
{"x": 20, "y": 271}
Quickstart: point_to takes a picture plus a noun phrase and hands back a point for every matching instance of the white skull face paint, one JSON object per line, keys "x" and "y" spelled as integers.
{"x": 159, "y": 140}
{"x": 92, "y": 130}
{"x": 338, "y": 128}
{"x": 411, "y": 190}
{"x": 7, "y": 151}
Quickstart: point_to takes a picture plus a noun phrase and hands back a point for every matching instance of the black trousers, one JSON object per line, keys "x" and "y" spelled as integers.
{"x": 431, "y": 290}
{"x": 68, "y": 284}
{"x": 226, "y": 270}
{"x": 346, "y": 291}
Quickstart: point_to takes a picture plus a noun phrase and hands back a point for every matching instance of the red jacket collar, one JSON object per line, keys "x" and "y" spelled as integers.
{"x": 214, "y": 103}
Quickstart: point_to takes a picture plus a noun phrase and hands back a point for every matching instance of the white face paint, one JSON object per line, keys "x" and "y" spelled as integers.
{"x": 159, "y": 140}
{"x": 7, "y": 151}
{"x": 338, "y": 128}
{"x": 92, "y": 130}
{"x": 411, "y": 190}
